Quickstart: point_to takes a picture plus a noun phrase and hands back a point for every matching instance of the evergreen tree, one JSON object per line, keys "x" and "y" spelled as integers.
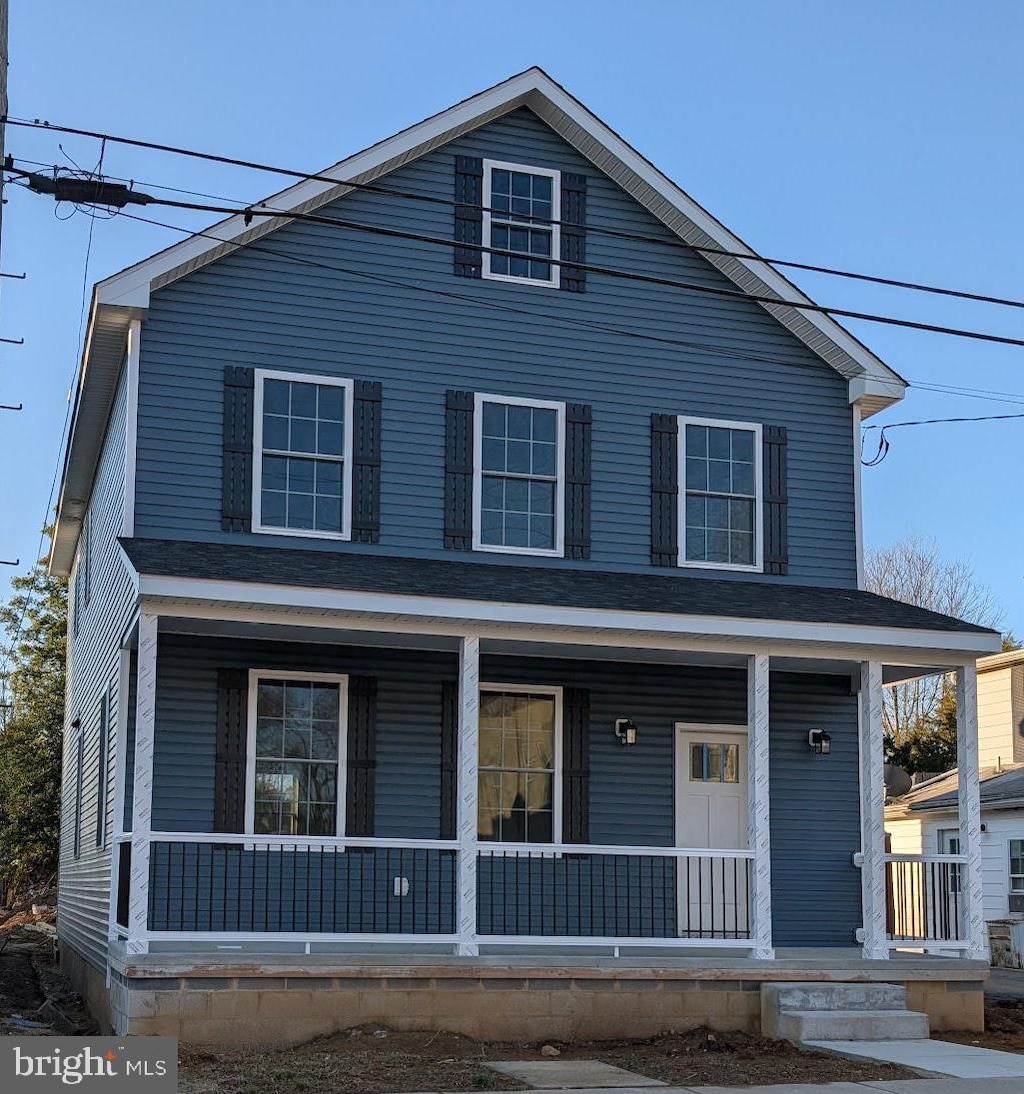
{"x": 31, "y": 733}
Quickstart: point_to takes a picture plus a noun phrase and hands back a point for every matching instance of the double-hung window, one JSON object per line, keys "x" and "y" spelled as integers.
{"x": 521, "y": 210}
{"x": 302, "y": 459}
{"x": 296, "y": 754}
{"x": 1017, "y": 866}
{"x": 720, "y": 495}
{"x": 519, "y": 480}
{"x": 519, "y": 772}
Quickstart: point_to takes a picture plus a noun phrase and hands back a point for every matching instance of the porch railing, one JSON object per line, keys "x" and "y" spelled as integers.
{"x": 924, "y": 906}
{"x": 228, "y": 888}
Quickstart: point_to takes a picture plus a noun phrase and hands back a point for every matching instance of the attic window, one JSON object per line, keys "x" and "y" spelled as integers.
{"x": 520, "y": 205}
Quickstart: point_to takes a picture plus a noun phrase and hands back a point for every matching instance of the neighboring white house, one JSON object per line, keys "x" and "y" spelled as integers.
{"x": 924, "y": 820}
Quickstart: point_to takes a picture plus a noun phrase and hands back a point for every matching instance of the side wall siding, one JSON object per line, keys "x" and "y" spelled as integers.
{"x": 93, "y": 667}
{"x": 357, "y": 312}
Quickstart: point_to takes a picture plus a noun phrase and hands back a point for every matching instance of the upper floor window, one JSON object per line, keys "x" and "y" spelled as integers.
{"x": 302, "y": 459}
{"x": 296, "y": 750}
{"x": 518, "y": 475}
{"x": 520, "y": 204}
{"x": 720, "y": 498}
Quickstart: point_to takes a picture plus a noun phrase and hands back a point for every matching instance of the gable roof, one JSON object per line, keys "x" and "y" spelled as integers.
{"x": 125, "y": 296}
{"x": 999, "y": 790}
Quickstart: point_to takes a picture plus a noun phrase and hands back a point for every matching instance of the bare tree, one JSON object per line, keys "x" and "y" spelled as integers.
{"x": 914, "y": 571}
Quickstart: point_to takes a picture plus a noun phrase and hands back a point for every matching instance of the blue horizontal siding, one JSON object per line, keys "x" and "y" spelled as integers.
{"x": 814, "y": 800}
{"x": 258, "y": 309}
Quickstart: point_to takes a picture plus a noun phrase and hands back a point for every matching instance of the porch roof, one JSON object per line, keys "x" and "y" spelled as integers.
{"x": 555, "y": 586}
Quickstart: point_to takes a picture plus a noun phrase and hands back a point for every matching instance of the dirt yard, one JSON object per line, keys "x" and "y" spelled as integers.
{"x": 35, "y": 999}
{"x": 1004, "y": 1027}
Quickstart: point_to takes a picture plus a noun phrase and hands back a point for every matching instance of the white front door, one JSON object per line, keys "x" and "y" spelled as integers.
{"x": 711, "y": 811}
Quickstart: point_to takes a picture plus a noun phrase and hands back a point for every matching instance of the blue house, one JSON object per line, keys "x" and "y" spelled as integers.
{"x": 467, "y": 593}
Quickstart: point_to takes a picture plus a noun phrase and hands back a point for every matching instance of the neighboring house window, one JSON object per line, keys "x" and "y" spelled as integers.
{"x": 302, "y": 465}
{"x": 101, "y": 771}
{"x": 518, "y": 481}
{"x": 1017, "y": 866}
{"x": 520, "y": 203}
{"x": 949, "y": 844}
{"x": 296, "y": 746}
{"x": 720, "y": 499}
{"x": 519, "y": 776}
{"x": 79, "y": 773}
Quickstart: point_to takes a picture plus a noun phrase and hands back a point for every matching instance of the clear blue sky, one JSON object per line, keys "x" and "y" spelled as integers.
{"x": 875, "y": 136}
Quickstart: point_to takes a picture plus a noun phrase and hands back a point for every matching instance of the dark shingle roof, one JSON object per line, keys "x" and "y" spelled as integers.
{"x": 561, "y": 586}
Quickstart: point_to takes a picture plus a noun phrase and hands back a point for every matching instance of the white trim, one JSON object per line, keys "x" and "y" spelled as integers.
{"x": 479, "y": 399}
{"x": 969, "y": 810}
{"x": 436, "y": 611}
{"x": 259, "y": 376}
{"x": 858, "y": 504}
{"x": 758, "y": 805}
{"x": 120, "y": 767}
{"x": 555, "y": 229}
{"x": 131, "y": 426}
{"x": 876, "y": 945}
{"x": 341, "y": 679}
{"x": 142, "y": 784}
{"x": 468, "y": 791}
{"x": 556, "y": 781}
{"x": 721, "y": 423}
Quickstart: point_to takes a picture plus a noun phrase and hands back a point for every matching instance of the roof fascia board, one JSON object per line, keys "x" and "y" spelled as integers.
{"x": 946, "y": 647}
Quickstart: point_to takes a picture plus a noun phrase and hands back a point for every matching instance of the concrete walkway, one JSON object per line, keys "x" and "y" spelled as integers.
{"x": 1005, "y": 984}
{"x": 930, "y": 1057}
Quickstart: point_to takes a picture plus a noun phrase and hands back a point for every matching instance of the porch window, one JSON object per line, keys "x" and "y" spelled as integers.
{"x": 296, "y": 745}
{"x": 518, "y": 476}
{"x": 720, "y": 520}
{"x": 1017, "y": 866}
{"x": 302, "y": 465}
{"x": 519, "y": 771}
{"x": 520, "y": 204}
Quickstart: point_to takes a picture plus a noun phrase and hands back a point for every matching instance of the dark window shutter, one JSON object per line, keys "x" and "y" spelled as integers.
{"x": 236, "y": 500}
{"x": 366, "y": 462}
{"x": 362, "y": 755}
{"x": 449, "y": 758}
{"x": 577, "y": 480}
{"x": 575, "y": 765}
{"x": 776, "y": 500}
{"x": 469, "y": 192}
{"x": 458, "y": 471}
{"x": 573, "y": 278}
{"x": 664, "y": 490}
{"x": 232, "y": 729}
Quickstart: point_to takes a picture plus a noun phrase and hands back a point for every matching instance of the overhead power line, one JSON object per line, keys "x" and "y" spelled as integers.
{"x": 115, "y": 197}
{"x": 883, "y": 441}
{"x": 436, "y": 199}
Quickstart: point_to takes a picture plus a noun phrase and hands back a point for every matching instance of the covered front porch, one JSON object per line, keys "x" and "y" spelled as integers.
{"x": 729, "y": 828}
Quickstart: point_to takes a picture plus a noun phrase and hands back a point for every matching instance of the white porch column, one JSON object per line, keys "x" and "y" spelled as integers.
{"x": 469, "y": 758}
{"x": 969, "y": 797}
{"x": 872, "y": 812}
{"x": 758, "y": 817}
{"x": 142, "y": 786}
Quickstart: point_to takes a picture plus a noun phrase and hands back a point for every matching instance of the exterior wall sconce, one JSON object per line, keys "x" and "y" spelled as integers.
{"x": 626, "y": 731}
{"x": 820, "y": 741}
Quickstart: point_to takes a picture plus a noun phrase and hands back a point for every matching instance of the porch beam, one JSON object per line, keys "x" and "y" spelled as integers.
{"x": 975, "y": 931}
{"x": 758, "y": 820}
{"x": 142, "y": 786}
{"x": 872, "y": 813}
{"x": 469, "y": 758}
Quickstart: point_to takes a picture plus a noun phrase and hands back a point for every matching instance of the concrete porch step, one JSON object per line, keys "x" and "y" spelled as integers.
{"x": 852, "y": 1025}
{"x": 825, "y": 996}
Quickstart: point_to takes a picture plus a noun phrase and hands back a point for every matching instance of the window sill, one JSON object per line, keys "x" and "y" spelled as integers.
{"x": 732, "y": 566}
{"x": 537, "y": 552}
{"x": 302, "y": 533}
{"x": 486, "y": 275}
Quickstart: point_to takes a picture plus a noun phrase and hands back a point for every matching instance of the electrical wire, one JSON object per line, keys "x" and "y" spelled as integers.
{"x": 435, "y": 199}
{"x": 883, "y": 441}
{"x": 340, "y": 223}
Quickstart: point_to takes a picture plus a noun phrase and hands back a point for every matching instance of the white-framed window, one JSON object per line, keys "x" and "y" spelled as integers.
{"x": 518, "y": 476}
{"x": 720, "y": 495}
{"x": 1016, "y": 853}
{"x": 295, "y": 755}
{"x": 520, "y": 204}
{"x": 302, "y": 455}
{"x": 520, "y": 764}
{"x": 949, "y": 844}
